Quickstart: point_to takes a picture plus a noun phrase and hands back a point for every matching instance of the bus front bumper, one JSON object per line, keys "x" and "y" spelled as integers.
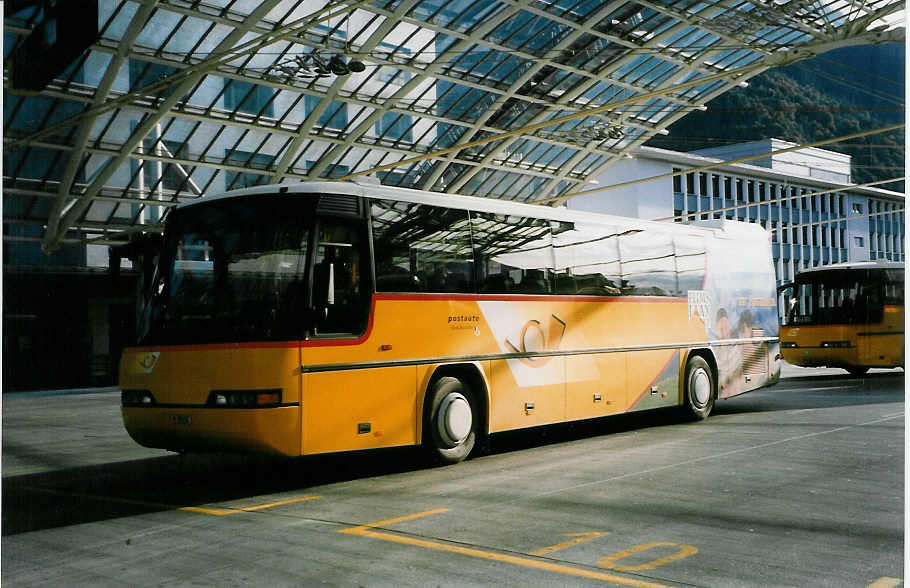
{"x": 193, "y": 429}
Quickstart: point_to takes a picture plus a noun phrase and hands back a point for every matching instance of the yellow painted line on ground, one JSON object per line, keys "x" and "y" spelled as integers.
{"x": 683, "y": 552}
{"x": 886, "y": 583}
{"x": 417, "y": 515}
{"x": 579, "y": 538}
{"x": 220, "y": 512}
{"x": 368, "y": 531}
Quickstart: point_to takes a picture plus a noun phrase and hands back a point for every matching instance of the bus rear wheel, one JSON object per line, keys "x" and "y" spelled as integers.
{"x": 857, "y": 370}
{"x": 699, "y": 388}
{"x": 450, "y": 421}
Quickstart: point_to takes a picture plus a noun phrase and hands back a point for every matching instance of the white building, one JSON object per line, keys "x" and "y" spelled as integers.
{"x": 803, "y": 197}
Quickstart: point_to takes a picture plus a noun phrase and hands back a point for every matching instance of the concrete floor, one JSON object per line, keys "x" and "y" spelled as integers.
{"x": 801, "y": 484}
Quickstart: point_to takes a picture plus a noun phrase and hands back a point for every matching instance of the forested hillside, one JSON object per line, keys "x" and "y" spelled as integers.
{"x": 839, "y": 93}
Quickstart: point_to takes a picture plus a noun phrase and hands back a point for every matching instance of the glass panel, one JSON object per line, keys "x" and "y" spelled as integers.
{"x": 690, "y": 263}
{"x": 232, "y": 270}
{"x": 334, "y": 116}
{"x": 514, "y": 254}
{"x": 647, "y": 264}
{"x": 249, "y": 98}
{"x": 587, "y": 259}
{"x": 143, "y": 74}
{"x": 236, "y": 180}
{"x": 395, "y": 126}
{"x": 421, "y": 248}
{"x": 338, "y": 293}
{"x": 831, "y": 297}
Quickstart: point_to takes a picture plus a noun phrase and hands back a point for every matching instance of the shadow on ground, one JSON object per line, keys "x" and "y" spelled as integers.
{"x": 122, "y": 489}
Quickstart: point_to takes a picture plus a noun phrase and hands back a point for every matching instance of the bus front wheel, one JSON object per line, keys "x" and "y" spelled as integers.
{"x": 450, "y": 421}
{"x": 857, "y": 370}
{"x": 699, "y": 390}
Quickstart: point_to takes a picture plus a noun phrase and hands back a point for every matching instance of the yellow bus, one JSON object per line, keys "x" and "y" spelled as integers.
{"x": 846, "y": 315}
{"x": 337, "y": 316}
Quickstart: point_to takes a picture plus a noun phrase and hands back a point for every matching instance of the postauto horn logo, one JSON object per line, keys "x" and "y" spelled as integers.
{"x": 533, "y": 339}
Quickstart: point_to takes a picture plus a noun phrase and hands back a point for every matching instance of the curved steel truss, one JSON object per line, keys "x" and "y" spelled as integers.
{"x": 517, "y": 99}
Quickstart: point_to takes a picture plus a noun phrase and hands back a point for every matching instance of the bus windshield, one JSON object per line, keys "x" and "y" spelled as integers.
{"x": 231, "y": 270}
{"x": 841, "y": 297}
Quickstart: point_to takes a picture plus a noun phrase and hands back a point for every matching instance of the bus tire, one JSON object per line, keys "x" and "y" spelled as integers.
{"x": 856, "y": 370}
{"x": 698, "y": 395}
{"x": 450, "y": 421}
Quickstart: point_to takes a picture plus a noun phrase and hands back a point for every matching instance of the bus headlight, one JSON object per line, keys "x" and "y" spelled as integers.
{"x": 829, "y": 344}
{"x": 244, "y": 398}
{"x": 788, "y": 344}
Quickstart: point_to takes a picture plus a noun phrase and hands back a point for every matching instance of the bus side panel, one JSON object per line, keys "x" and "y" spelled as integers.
{"x": 359, "y": 409}
{"x": 654, "y": 383}
{"x": 347, "y": 396}
{"x": 741, "y": 304}
{"x": 515, "y": 406}
{"x": 596, "y": 385}
{"x": 882, "y": 344}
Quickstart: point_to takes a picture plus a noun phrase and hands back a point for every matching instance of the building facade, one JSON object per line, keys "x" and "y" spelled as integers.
{"x": 804, "y": 198}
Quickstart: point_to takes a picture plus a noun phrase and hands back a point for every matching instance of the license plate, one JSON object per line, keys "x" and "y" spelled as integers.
{"x": 181, "y": 419}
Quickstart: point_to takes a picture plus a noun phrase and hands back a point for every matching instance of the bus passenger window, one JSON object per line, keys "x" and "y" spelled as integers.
{"x": 421, "y": 248}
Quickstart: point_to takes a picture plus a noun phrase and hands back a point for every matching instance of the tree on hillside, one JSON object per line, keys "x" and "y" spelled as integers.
{"x": 777, "y": 104}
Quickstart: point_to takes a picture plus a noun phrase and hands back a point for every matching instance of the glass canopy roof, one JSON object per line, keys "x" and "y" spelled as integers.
{"x": 516, "y": 99}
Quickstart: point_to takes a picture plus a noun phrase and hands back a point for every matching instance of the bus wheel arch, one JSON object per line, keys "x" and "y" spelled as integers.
{"x": 856, "y": 370}
{"x": 699, "y": 385}
{"x": 454, "y": 413}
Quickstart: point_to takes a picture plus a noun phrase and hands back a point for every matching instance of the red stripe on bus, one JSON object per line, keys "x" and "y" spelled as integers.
{"x": 527, "y": 298}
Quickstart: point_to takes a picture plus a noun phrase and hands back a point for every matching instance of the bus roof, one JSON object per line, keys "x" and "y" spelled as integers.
{"x": 371, "y": 188}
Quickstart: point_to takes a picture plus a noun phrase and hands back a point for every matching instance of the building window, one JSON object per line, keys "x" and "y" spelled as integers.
{"x": 395, "y": 127}
{"x": 335, "y": 116}
{"x": 857, "y": 208}
{"x": 170, "y": 176}
{"x": 249, "y": 98}
{"x": 143, "y": 73}
{"x": 677, "y": 181}
{"x": 858, "y": 241}
{"x": 235, "y": 180}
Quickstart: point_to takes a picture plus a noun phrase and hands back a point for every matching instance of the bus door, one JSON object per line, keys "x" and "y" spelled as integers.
{"x": 340, "y": 301}
{"x": 868, "y": 317}
{"x": 350, "y": 401}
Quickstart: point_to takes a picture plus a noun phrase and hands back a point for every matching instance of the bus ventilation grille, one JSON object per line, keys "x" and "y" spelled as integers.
{"x": 755, "y": 359}
{"x": 339, "y": 205}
